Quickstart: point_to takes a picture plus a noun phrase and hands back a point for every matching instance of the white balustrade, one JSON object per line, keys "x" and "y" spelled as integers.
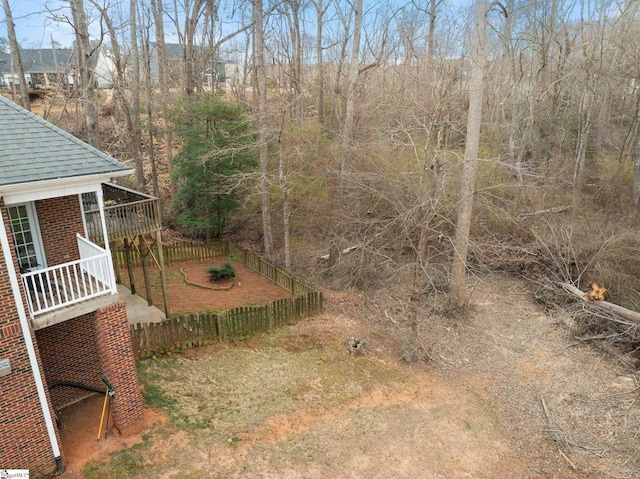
{"x": 65, "y": 284}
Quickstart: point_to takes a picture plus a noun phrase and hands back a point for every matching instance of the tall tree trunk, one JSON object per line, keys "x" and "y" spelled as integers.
{"x": 293, "y": 19}
{"x": 136, "y": 136}
{"x": 284, "y": 188}
{"x": 586, "y": 107}
{"x": 431, "y": 33}
{"x": 150, "y": 118}
{"x": 410, "y": 351}
{"x": 261, "y": 88}
{"x": 89, "y": 95}
{"x": 470, "y": 166}
{"x": 429, "y": 194}
{"x": 16, "y": 58}
{"x": 320, "y": 11}
{"x": 119, "y": 81}
{"x": 347, "y": 134}
{"x": 158, "y": 12}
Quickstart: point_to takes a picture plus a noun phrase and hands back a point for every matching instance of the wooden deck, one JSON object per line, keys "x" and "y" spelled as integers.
{"x": 133, "y": 214}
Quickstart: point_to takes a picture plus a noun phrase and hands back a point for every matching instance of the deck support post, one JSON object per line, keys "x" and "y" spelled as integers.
{"x": 127, "y": 257}
{"x": 145, "y": 268}
{"x": 163, "y": 276}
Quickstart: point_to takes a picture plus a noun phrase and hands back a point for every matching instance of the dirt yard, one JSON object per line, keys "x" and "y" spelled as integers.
{"x": 506, "y": 393}
{"x": 191, "y": 291}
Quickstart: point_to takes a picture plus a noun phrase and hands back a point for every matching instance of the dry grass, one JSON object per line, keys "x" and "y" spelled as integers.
{"x": 295, "y": 404}
{"x": 238, "y": 388}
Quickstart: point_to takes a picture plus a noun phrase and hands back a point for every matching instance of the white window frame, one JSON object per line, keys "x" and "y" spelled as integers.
{"x": 36, "y": 234}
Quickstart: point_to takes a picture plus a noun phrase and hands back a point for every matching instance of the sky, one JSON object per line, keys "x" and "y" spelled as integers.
{"x": 37, "y": 21}
{"x": 35, "y": 24}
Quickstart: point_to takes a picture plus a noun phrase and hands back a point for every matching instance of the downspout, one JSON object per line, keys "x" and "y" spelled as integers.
{"x": 105, "y": 235}
{"x": 26, "y": 332}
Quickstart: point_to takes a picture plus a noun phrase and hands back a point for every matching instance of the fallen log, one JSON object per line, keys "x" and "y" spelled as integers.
{"x": 344, "y": 251}
{"x": 624, "y": 313}
{"x": 557, "y": 209}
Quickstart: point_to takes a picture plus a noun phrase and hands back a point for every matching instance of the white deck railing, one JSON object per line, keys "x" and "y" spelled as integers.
{"x": 58, "y": 286}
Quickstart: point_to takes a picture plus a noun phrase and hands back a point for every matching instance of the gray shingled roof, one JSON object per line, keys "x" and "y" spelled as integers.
{"x": 32, "y": 149}
{"x": 42, "y": 59}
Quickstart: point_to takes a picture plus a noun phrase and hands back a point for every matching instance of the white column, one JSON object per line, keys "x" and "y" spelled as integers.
{"x": 105, "y": 235}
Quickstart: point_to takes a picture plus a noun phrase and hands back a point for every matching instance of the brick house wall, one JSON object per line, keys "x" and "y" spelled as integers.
{"x": 60, "y": 219}
{"x": 118, "y": 364}
{"x": 88, "y": 348}
{"x": 24, "y": 442}
{"x": 69, "y": 353}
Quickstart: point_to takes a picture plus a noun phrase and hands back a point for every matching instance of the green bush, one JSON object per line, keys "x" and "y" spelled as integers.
{"x": 226, "y": 270}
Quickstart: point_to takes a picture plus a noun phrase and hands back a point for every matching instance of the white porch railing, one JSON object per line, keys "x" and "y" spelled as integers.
{"x": 58, "y": 286}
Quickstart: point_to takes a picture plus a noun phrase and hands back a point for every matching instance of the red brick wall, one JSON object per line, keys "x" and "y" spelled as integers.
{"x": 116, "y": 354}
{"x": 60, "y": 219}
{"x": 69, "y": 353}
{"x": 24, "y": 441}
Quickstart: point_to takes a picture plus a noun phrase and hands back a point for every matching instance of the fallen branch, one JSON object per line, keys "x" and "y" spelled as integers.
{"x": 624, "y": 313}
{"x": 568, "y": 460}
{"x": 557, "y": 209}
{"x": 344, "y": 251}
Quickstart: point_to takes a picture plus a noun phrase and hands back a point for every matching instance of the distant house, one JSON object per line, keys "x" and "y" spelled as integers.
{"x": 210, "y": 74}
{"x": 104, "y": 68}
{"x": 234, "y": 75}
{"x": 46, "y": 68}
{"x": 63, "y": 327}
{"x": 43, "y": 67}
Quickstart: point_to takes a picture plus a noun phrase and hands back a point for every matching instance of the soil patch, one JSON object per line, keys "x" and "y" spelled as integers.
{"x": 191, "y": 291}
{"x": 80, "y": 423}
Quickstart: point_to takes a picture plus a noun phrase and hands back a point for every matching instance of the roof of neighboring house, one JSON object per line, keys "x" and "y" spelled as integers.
{"x": 32, "y": 150}
{"x": 41, "y": 59}
{"x": 173, "y": 51}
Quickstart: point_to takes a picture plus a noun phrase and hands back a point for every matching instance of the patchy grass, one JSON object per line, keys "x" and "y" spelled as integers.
{"x": 228, "y": 394}
{"x": 294, "y": 403}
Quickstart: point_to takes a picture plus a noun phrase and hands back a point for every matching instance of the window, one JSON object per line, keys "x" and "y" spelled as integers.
{"x": 26, "y": 237}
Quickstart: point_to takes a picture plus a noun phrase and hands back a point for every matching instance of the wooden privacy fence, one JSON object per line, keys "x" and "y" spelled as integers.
{"x": 200, "y": 252}
{"x": 205, "y": 328}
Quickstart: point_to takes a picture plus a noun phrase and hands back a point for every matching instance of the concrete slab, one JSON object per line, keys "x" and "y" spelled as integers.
{"x": 138, "y": 311}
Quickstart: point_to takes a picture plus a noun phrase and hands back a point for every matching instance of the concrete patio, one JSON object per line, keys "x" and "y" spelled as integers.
{"x": 138, "y": 311}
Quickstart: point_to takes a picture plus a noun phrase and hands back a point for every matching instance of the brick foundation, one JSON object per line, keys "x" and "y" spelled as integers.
{"x": 118, "y": 365}
{"x": 88, "y": 348}
{"x": 69, "y": 353}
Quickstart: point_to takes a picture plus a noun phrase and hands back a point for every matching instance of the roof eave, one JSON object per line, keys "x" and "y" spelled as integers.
{"x": 39, "y": 190}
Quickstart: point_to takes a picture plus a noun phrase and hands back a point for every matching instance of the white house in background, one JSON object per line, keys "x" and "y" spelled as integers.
{"x": 104, "y": 69}
{"x": 43, "y": 67}
{"x": 234, "y": 75}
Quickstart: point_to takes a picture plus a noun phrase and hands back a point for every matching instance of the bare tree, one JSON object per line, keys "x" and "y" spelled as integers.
{"x": 284, "y": 188}
{"x": 158, "y": 16}
{"x": 347, "y": 131}
{"x": 470, "y": 166}
{"x": 85, "y": 52}
{"x": 260, "y": 87}
{"x": 291, "y": 9}
{"x": 321, "y": 10}
{"x": 16, "y": 59}
{"x": 136, "y": 135}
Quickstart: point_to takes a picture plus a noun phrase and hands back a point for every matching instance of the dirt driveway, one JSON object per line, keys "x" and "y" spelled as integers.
{"x": 507, "y": 394}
